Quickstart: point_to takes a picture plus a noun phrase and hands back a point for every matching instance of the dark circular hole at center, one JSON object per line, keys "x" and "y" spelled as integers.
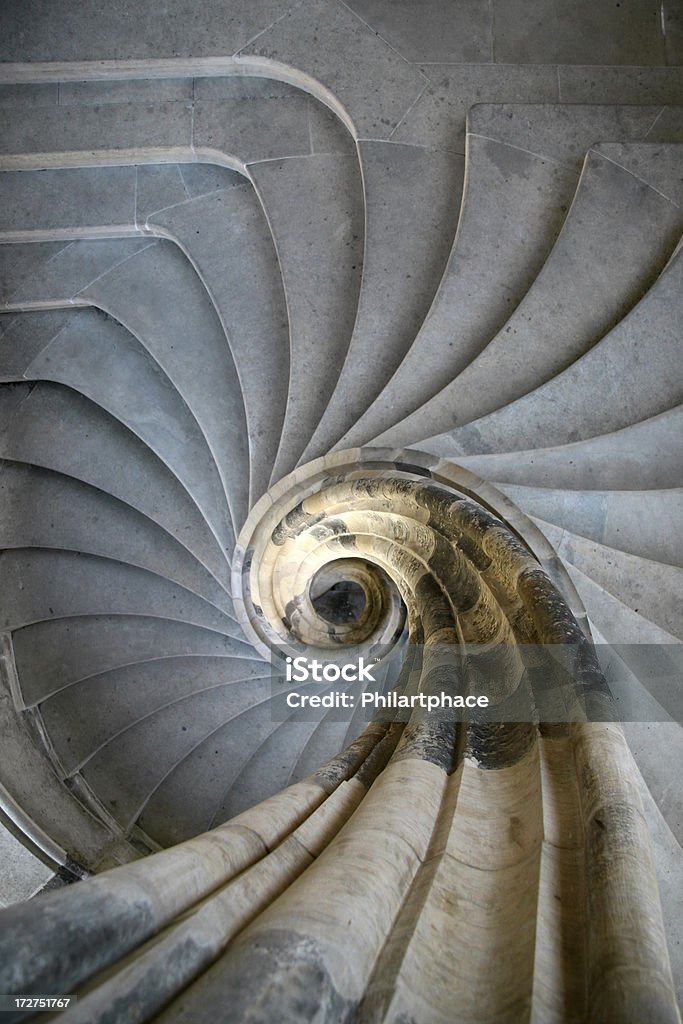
{"x": 341, "y": 603}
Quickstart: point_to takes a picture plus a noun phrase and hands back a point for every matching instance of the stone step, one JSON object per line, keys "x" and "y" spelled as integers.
{"x": 185, "y": 338}
{"x": 651, "y": 589}
{"x": 51, "y": 655}
{"x": 131, "y": 784}
{"x": 44, "y": 584}
{"x": 227, "y": 238}
{"x": 214, "y": 216}
{"x": 272, "y": 754}
{"x": 244, "y": 755}
{"x": 180, "y": 335}
{"x": 638, "y": 457}
{"x": 43, "y": 511}
{"x": 644, "y": 523}
{"x": 618, "y": 622}
{"x": 50, "y": 427}
{"x": 618, "y": 235}
{"x": 412, "y": 199}
{"x": 605, "y": 390}
{"x": 230, "y": 120}
{"x": 523, "y": 166}
{"x": 315, "y": 210}
{"x": 96, "y": 356}
{"x": 331, "y": 734}
{"x": 58, "y": 204}
{"x": 107, "y": 202}
{"x": 647, "y": 738}
{"x": 328, "y": 735}
{"x": 128, "y": 695}
{"x": 48, "y": 274}
{"x": 101, "y": 202}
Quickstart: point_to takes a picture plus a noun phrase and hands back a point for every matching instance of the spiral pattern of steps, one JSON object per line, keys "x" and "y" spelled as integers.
{"x": 248, "y": 342}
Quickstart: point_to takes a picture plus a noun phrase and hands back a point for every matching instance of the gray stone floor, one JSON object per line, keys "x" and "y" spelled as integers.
{"x": 405, "y": 71}
{"x": 488, "y": 31}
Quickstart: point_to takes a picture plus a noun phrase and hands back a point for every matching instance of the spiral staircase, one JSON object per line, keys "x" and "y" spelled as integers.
{"x": 273, "y": 334}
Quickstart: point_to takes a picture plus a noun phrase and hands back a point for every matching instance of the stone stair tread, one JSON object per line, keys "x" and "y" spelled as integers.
{"x": 53, "y": 273}
{"x": 328, "y": 735}
{"x": 649, "y": 588}
{"x": 31, "y": 784}
{"x": 564, "y": 131}
{"x": 222, "y": 231}
{"x": 669, "y": 123}
{"x": 273, "y": 758}
{"x": 160, "y": 186}
{"x": 125, "y": 696}
{"x": 24, "y": 96}
{"x": 53, "y": 654}
{"x": 307, "y": 37}
{"x": 571, "y": 407}
{"x": 54, "y": 584}
{"x": 49, "y": 427}
{"x": 647, "y": 739}
{"x": 54, "y": 136}
{"x": 515, "y": 201}
{"x": 406, "y": 248}
{"x": 644, "y": 681}
{"x": 186, "y": 339}
{"x": 98, "y": 357}
{"x": 58, "y": 203}
{"x": 82, "y": 201}
{"x": 314, "y": 206}
{"x": 617, "y": 622}
{"x": 206, "y": 772}
{"x": 226, "y": 236}
{"x": 44, "y": 510}
{"x": 617, "y": 237}
{"x": 638, "y": 457}
{"x": 219, "y": 124}
{"x": 657, "y": 164}
{"x": 125, "y": 777}
{"x": 256, "y": 127}
{"x": 644, "y": 523}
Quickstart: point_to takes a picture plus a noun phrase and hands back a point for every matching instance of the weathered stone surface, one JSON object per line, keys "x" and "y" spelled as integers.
{"x": 301, "y": 297}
